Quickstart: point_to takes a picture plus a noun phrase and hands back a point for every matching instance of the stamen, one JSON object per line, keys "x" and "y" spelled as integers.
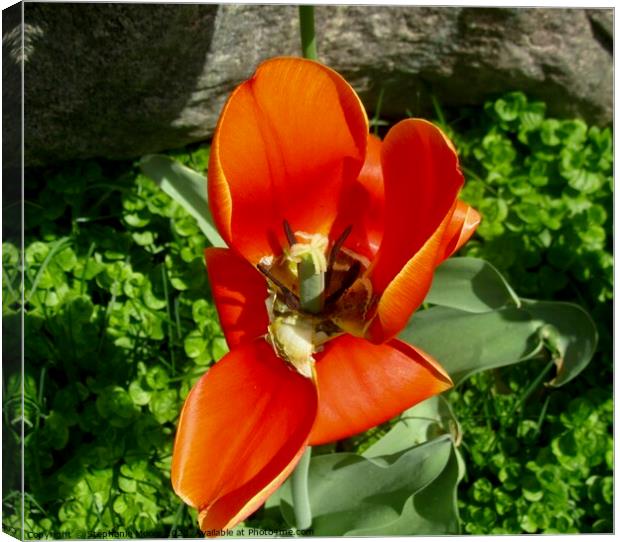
{"x": 291, "y": 300}
{"x": 333, "y": 253}
{"x": 290, "y": 236}
{"x": 347, "y": 281}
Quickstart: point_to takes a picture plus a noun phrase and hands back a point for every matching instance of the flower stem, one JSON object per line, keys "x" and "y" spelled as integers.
{"x": 311, "y": 294}
{"x": 301, "y": 501}
{"x": 306, "y": 26}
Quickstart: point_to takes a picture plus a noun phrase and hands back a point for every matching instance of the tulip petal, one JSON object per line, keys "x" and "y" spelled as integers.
{"x": 289, "y": 144}
{"x": 408, "y": 289}
{"x": 239, "y": 292}
{"x": 242, "y": 430}
{"x": 462, "y": 226}
{"x": 366, "y": 206}
{"x": 422, "y": 179}
{"x": 362, "y": 385}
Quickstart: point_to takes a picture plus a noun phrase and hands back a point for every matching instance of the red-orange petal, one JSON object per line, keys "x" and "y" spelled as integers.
{"x": 239, "y": 292}
{"x": 288, "y": 146}
{"x": 421, "y": 179}
{"x": 242, "y": 430}
{"x": 366, "y": 205}
{"x": 406, "y": 292}
{"x": 362, "y": 385}
{"x": 462, "y": 226}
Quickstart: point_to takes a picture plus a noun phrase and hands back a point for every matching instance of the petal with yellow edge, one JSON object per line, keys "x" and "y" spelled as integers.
{"x": 289, "y": 144}
{"x": 242, "y": 430}
{"x": 406, "y": 292}
{"x": 462, "y": 226}
{"x": 362, "y": 385}
{"x": 239, "y": 292}
{"x": 421, "y": 182}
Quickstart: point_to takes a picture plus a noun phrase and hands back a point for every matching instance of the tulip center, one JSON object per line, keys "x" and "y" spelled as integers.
{"x": 316, "y": 293}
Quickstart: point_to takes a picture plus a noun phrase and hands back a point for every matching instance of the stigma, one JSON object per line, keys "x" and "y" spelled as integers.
{"x": 313, "y": 246}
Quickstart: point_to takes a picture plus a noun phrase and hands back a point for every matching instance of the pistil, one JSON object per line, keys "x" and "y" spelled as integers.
{"x": 311, "y": 285}
{"x": 309, "y": 255}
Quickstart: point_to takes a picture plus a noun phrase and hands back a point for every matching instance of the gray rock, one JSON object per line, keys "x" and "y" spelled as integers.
{"x": 121, "y": 80}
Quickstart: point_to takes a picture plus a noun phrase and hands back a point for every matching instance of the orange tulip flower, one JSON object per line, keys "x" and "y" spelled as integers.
{"x": 293, "y": 177}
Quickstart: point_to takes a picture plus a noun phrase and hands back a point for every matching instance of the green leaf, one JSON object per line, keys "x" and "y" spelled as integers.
{"x": 55, "y": 431}
{"x": 573, "y": 133}
{"x": 194, "y": 343}
{"x": 466, "y": 343}
{"x": 494, "y": 210}
{"x": 532, "y": 116}
{"x": 470, "y": 284}
{"x": 138, "y": 395}
{"x": 66, "y": 259}
{"x": 88, "y": 269}
{"x": 576, "y": 340}
{"x": 186, "y": 187}
{"x": 157, "y": 377}
{"x": 40, "y": 252}
{"x": 164, "y": 405}
{"x": 531, "y": 488}
{"x": 548, "y": 132}
{"x": 583, "y": 180}
{"x": 509, "y": 106}
{"x": 482, "y": 490}
{"x": 219, "y": 348}
{"x": 115, "y": 405}
{"x": 349, "y": 492}
{"x": 433, "y": 510}
{"x": 421, "y": 423}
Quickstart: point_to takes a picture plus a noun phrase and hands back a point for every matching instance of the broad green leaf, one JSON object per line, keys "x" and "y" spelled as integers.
{"x": 433, "y": 510}
{"x": 466, "y": 343}
{"x": 185, "y": 186}
{"x": 470, "y": 284}
{"x": 349, "y": 492}
{"x": 575, "y": 334}
{"x": 421, "y": 423}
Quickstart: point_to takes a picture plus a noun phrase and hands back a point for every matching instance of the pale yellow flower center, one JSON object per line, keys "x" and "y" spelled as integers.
{"x": 295, "y": 334}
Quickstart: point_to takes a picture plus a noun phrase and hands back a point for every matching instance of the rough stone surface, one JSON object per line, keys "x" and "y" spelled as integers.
{"x": 120, "y": 80}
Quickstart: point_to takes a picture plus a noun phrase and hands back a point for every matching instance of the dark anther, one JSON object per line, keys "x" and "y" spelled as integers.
{"x": 333, "y": 253}
{"x": 347, "y": 282}
{"x": 291, "y": 300}
{"x": 290, "y": 236}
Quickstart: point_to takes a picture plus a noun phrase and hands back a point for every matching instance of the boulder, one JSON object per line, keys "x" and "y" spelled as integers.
{"x": 121, "y": 80}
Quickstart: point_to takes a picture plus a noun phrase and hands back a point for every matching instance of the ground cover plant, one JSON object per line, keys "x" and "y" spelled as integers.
{"x": 119, "y": 324}
{"x": 543, "y": 457}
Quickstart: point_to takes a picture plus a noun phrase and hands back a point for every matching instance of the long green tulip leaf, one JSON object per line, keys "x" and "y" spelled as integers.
{"x": 350, "y": 492}
{"x": 570, "y": 333}
{"x": 422, "y": 422}
{"x": 431, "y": 511}
{"x": 472, "y": 285}
{"x": 466, "y": 343}
{"x": 187, "y": 187}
